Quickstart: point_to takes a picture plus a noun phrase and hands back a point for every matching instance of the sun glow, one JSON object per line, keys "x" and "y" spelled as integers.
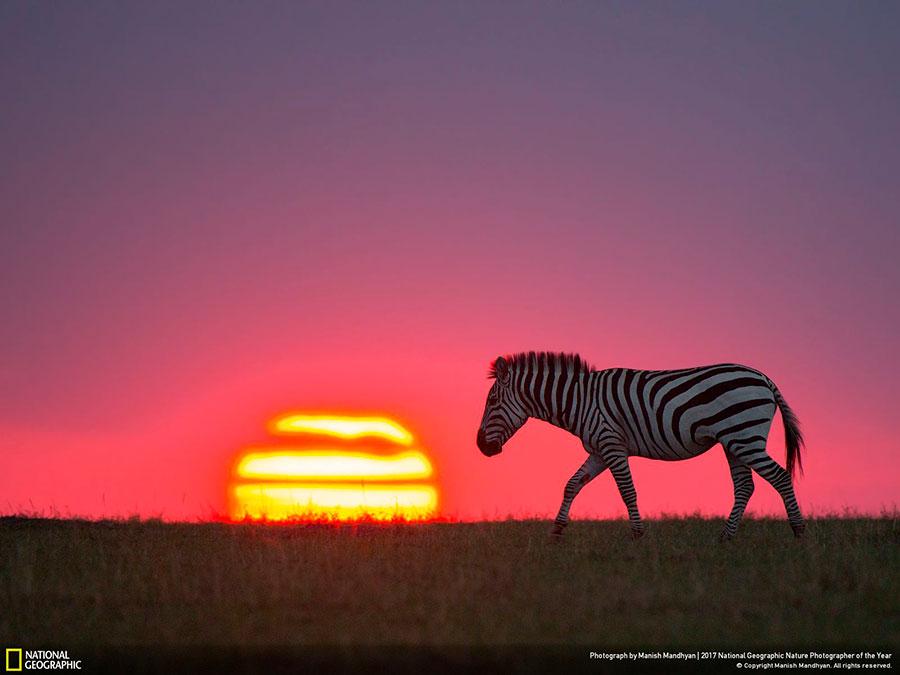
{"x": 342, "y": 427}
{"x": 349, "y": 479}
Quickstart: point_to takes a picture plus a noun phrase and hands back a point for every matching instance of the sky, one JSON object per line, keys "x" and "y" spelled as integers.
{"x": 214, "y": 212}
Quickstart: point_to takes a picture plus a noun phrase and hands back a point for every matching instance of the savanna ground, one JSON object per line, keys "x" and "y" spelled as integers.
{"x": 199, "y": 588}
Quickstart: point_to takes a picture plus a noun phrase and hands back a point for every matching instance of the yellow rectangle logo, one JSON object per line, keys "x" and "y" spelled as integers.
{"x": 10, "y": 668}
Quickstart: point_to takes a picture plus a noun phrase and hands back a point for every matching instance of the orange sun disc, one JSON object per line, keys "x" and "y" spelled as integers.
{"x": 343, "y": 481}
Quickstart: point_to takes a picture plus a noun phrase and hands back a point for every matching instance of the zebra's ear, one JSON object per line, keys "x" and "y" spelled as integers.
{"x": 501, "y": 368}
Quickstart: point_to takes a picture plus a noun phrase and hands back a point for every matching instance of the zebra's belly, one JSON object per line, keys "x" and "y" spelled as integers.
{"x": 692, "y": 449}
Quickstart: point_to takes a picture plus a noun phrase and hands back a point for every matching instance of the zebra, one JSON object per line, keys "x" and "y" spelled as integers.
{"x": 658, "y": 414}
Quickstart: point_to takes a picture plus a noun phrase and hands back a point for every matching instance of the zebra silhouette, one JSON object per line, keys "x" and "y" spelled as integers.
{"x": 659, "y": 414}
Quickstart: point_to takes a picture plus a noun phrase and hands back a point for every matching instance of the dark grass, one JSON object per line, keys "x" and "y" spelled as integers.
{"x": 78, "y": 583}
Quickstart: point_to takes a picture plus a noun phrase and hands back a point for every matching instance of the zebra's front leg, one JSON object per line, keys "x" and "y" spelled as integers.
{"x": 618, "y": 465}
{"x": 592, "y": 467}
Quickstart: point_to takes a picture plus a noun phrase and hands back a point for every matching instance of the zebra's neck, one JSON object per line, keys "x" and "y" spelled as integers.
{"x": 558, "y": 400}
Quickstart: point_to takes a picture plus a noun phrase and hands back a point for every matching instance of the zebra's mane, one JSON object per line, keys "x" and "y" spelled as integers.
{"x": 555, "y": 360}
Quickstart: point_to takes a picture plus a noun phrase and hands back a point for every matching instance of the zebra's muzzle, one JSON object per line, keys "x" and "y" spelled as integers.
{"x": 488, "y": 449}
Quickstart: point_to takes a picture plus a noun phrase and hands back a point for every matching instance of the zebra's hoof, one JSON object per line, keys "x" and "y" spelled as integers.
{"x": 637, "y": 534}
{"x": 555, "y": 534}
{"x": 725, "y": 537}
{"x": 799, "y": 530}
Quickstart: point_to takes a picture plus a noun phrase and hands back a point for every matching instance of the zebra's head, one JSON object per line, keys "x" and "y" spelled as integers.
{"x": 503, "y": 414}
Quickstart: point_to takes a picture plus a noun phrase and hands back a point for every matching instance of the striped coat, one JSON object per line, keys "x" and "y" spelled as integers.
{"x": 658, "y": 414}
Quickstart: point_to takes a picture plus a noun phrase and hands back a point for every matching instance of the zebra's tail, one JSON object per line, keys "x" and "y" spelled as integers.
{"x": 793, "y": 437}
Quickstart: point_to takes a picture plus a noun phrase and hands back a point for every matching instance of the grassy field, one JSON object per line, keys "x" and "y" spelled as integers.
{"x": 74, "y": 583}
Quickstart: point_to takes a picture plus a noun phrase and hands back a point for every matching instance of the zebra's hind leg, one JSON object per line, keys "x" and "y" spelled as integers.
{"x": 618, "y": 465}
{"x": 742, "y": 477}
{"x": 592, "y": 467}
{"x": 754, "y": 454}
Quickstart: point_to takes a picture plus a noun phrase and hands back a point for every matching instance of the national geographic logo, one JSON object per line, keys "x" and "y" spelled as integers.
{"x": 13, "y": 660}
{"x": 18, "y": 659}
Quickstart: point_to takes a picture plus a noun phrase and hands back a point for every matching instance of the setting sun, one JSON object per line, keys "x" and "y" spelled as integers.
{"x": 345, "y": 480}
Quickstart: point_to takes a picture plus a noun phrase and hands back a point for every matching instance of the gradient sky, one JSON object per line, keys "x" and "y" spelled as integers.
{"x": 213, "y": 212}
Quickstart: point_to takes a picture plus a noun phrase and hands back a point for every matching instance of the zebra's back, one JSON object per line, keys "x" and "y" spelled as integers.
{"x": 677, "y": 414}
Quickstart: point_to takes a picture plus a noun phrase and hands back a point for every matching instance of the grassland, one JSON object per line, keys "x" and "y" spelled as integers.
{"x": 130, "y": 583}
